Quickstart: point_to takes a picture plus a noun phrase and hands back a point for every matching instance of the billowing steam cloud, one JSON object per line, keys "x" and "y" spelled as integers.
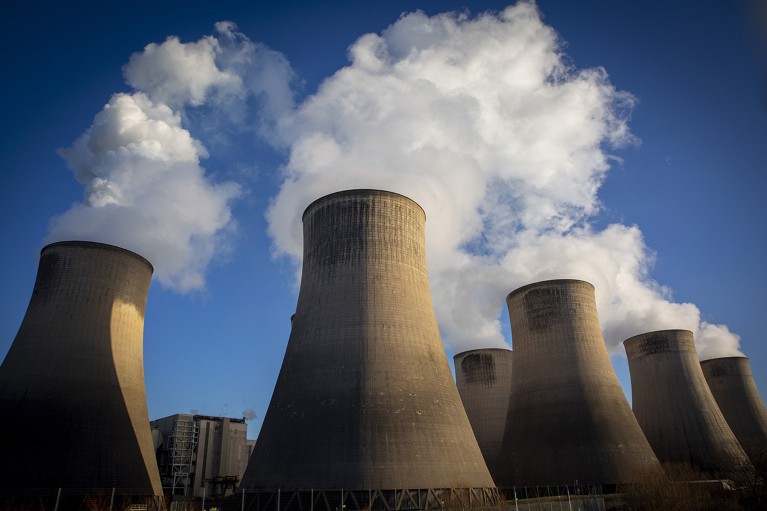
{"x": 144, "y": 187}
{"x": 482, "y": 122}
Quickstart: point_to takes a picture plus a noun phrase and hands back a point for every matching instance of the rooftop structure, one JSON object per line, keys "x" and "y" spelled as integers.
{"x": 201, "y": 455}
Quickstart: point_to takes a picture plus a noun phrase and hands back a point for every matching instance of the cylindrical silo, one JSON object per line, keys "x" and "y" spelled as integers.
{"x": 72, "y": 398}
{"x": 568, "y": 419}
{"x": 483, "y": 377}
{"x": 365, "y": 399}
{"x": 732, "y": 384}
{"x": 676, "y": 410}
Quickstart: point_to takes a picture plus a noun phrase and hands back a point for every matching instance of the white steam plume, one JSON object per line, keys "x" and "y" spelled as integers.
{"x": 145, "y": 189}
{"x": 481, "y": 121}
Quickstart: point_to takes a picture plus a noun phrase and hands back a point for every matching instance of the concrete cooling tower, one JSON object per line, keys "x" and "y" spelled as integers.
{"x": 365, "y": 401}
{"x": 483, "y": 377}
{"x": 734, "y": 390}
{"x": 72, "y": 399}
{"x": 568, "y": 418}
{"x": 676, "y": 410}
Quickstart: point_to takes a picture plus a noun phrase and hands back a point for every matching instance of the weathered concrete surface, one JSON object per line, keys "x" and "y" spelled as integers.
{"x": 483, "y": 377}
{"x": 568, "y": 419}
{"x": 676, "y": 410}
{"x": 72, "y": 396}
{"x": 733, "y": 387}
{"x": 365, "y": 398}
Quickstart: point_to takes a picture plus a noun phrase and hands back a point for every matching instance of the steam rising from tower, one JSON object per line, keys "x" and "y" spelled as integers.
{"x": 568, "y": 418}
{"x": 72, "y": 396}
{"x": 365, "y": 399}
{"x": 676, "y": 410}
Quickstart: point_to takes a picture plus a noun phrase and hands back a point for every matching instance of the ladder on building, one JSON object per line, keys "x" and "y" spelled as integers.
{"x": 183, "y": 441}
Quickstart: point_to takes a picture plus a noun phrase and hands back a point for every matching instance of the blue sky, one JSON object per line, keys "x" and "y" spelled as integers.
{"x": 680, "y": 197}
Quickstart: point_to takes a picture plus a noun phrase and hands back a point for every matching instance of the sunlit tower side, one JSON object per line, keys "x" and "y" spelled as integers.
{"x": 568, "y": 419}
{"x": 676, "y": 409}
{"x": 483, "y": 377}
{"x": 732, "y": 384}
{"x": 72, "y": 396}
{"x": 365, "y": 400}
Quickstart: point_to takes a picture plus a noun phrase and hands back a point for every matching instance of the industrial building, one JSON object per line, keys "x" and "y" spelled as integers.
{"x": 365, "y": 407}
{"x": 568, "y": 419}
{"x": 677, "y": 411}
{"x": 483, "y": 377}
{"x": 72, "y": 397}
{"x": 732, "y": 385}
{"x": 200, "y": 455}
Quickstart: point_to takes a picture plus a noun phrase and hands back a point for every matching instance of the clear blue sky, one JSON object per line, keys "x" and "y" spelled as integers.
{"x": 694, "y": 183}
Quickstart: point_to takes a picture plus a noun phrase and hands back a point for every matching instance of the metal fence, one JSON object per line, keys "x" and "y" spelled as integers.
{"x": 79, "y": 499}
{"x": 579, "y": 497}
{"x": 539, "y": 498}
{"x": 542, "y": 498}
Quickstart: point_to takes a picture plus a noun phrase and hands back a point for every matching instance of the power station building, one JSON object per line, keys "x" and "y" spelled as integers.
{"x": 200, "y": 455}
{"x": 365, "y": 409}
{"x": 568, "y": 419}
{"x": 676, "y": 409}
{"x": 72, "y": 398}
{"x": 483, "y": 377}
{"x": 733, "y": 387}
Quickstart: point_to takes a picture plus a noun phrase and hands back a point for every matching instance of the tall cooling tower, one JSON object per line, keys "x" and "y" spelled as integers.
{"x": 734, "y": 390}
{"x": 365, "y": 400}
{"x": 72, "y": 399}
{"x": 568, "y": 418}
{"x": 676, "y": 410}
{"x": 483, "y": 377}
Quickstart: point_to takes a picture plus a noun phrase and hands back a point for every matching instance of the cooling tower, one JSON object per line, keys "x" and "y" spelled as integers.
{"x": 676, "y": 410}
{"x": 568, "y": 419}
{"x": 734, "y": 390}
{"x": 365, "y": 400}
{"x": 72, "y": 399}
{"x": 483, "y": 377}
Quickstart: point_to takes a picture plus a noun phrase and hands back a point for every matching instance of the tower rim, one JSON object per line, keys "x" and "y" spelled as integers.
{"x": 97, "y": 245}
{"x": 358, "y": 191}
{"x": 634, "y": 339}
{"x": 462, "y": 353}
{"x": 729, "y": 357}
{"x": 545, "y": 282}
